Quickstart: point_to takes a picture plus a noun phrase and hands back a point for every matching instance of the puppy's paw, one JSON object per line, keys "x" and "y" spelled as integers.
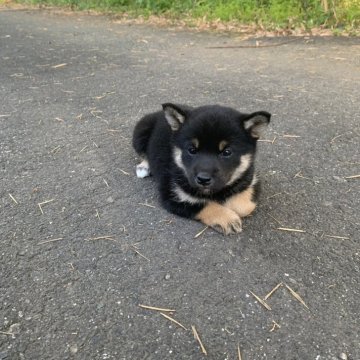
{"x": 143, "y": 169}
{"x": 220, "y": 218}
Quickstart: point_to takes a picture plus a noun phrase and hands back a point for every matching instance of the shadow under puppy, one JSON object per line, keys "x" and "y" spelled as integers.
{"x": 203, "y": 161}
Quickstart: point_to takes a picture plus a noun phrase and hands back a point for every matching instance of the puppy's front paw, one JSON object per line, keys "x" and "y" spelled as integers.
{"x": 220, "y": 218}
{"x": 143, "y": 169}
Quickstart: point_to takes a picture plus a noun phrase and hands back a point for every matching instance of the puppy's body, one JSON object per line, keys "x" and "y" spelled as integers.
{"x": 203, "y": 161}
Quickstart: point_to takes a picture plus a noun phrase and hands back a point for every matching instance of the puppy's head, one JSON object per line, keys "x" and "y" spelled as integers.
{"x": 214, "y": 145}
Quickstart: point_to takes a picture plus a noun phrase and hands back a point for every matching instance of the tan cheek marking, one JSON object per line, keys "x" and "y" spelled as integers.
{"x": 220, "y": 217}
{"x": 222, "y": 145}
{"x": 177, "y": 155}
{"x": 242, "y": 203}
{"x": 245, "y": 162}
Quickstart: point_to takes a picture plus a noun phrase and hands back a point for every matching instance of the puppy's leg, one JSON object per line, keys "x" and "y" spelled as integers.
{"x": 220, "y": 218}
{"x": 242, "y": 203}
{"x": 143, "y": 169}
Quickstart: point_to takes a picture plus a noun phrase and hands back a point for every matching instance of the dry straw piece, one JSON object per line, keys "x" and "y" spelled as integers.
{"x": 197, "y": 337}
{"x": 173, "y": 320}
{"x": 272, "y": 291}
{"x": 291, "y": 230}
{"x": 201, "y": 232}
{"x": 261, "y": 301}
{"x": 43, "y": 203}
{"x": 124, "y": 172}
{"x": 59, "y": 65}
{"x": 104, "y": 237}
{"x": 296, "y": 296}
{"x": 238, "y": 351}
{"x": 138, "y": 252}
{"x": 275, "y": 326}
{"x": 148, "y": 205}
{"x": 337, "y": 237}
{"x": 6, "y": 333}
{"x": 13, "y": 199}
{"x": 148, "y": 307}
{"x": 49, "y": 241}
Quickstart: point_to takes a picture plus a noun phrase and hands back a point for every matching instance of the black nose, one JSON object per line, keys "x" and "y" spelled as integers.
{"x": 203, "y": 179}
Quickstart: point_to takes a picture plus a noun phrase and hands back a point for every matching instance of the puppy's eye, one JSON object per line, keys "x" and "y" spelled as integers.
{"x": 192, "y": 150}
{"x": 226, "y": 152}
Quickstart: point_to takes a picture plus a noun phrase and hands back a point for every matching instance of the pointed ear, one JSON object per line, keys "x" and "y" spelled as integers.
{"x": 256, "y": 123}
{"x": 174, "y": 115}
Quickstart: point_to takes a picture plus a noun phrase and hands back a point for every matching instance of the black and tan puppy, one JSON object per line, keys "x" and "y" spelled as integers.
{"x": 203, "y": 161}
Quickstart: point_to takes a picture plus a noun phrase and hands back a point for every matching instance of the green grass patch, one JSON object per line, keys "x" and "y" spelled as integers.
{"x": 270, "y": 14}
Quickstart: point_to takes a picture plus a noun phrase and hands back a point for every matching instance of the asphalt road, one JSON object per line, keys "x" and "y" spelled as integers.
{"x": 84, "y": 242}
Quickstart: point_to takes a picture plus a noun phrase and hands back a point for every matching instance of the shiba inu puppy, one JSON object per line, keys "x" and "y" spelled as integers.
{"x": 203, "y": 160}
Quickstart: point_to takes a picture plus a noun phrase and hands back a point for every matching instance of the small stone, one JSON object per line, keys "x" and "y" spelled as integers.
{"x": 110, "y": 200}
{"x": 343, "y": 356}
{"x": 167, "y": 276}
{"x": 74, "y": 349}
{"x": 15, "y": 328}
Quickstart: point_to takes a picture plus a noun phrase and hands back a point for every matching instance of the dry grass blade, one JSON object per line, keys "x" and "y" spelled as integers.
{"x": 49, "y": 241}
{"x": 105, "y": 237}
{"x": 300, "y": 175}
{"x": 334, "y": 138}
{"x": 55, "y": 149}
{"x": 59, "y": 65}
{"x": 261, "y": 301}
{"x": 124, "y": 172}
{"x": 173, "y": 320}
{"x": 139, "y": 253}
{"x": 296, "y": 296}
{"x": 275, "y": 326}
{"x": 352, "y": 177}
{"x": 268, "y": 141}
{"x": 43, "y": 203}
{"x": 197, "y": 337}
{"x": 273, "y": 195}
{"x": 291, "y": 230}
{"x": 6, "y": 333}
{"x": 337, "y": 237}
{"x": 148, "y": 307}
{"x": 201, "y": 232}
{"x": 238, "y": 351}
{"x": 274, "y": 218}
{"x": 272, "y": 291}
{"x": 148, "y": 205}
{"x": 13, "y": 199}
{"x": 291, "y": 136}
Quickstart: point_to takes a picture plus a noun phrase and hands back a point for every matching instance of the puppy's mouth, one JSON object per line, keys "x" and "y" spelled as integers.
{"x": 205, "y": 190}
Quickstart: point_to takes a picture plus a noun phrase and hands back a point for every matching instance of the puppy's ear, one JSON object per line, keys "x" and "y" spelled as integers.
{"x": 174, "y": 115}
{"x": 256, "y": 123}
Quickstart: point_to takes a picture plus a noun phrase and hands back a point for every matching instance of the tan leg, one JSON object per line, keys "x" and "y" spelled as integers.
{"x": 220, "y": 218}
{"x": 242, "y": 203}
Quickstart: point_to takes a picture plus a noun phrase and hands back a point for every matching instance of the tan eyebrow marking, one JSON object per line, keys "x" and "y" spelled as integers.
{"x": 223, "y": 144}
{"x": 195, "y": 142}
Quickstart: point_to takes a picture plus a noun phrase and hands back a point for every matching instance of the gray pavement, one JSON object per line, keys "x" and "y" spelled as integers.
{"x": 84, "y": 242}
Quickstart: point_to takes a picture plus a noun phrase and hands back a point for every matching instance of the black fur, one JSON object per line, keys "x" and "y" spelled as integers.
{"x": 205, "y": 171}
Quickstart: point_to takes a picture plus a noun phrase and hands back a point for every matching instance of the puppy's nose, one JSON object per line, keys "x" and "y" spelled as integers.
{"x": 203, "y": 179}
